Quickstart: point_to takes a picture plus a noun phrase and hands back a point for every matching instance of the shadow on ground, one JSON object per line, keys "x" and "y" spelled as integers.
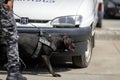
{"x": 60, "y": 64}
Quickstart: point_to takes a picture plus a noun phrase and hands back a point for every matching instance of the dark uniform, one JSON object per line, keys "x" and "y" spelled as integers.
{"x": 9, "y": 38}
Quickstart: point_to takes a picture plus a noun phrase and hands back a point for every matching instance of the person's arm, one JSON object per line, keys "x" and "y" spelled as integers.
{"x": 9, "y": 4}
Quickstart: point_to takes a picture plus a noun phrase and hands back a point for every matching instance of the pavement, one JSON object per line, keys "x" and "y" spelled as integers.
{"x": 110, "y": 30}
{"x": 107, "y": 34}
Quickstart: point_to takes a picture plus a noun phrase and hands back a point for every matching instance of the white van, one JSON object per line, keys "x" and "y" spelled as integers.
{"x": 76, "y": 18}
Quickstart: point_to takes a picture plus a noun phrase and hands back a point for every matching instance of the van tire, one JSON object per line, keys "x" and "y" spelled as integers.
{"x": 83, "y": 60}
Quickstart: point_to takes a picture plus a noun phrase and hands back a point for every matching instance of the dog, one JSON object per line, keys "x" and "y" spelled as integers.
{"x": 60, "y": 43}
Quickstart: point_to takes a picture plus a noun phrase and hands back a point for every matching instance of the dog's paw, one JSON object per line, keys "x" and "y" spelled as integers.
{"x": 56, "y": 75}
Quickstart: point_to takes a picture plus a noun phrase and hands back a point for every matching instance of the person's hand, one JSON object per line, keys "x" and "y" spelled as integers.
{"x": 8, "y": 7}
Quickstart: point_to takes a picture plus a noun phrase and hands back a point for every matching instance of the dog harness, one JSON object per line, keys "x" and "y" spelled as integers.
{"x": 43, "y": 41}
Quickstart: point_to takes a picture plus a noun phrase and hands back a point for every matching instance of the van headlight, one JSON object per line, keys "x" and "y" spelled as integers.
{"x": 66, "y": 21}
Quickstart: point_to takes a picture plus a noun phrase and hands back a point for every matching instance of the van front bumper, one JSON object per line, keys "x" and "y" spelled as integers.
{"x": 77, "y": 34}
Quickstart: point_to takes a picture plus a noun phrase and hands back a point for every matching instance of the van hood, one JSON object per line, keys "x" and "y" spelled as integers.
{"x": 46, "y": 9}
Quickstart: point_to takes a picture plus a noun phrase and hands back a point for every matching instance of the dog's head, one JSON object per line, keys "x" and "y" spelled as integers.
{"x": 69, "y": 43}
{"x": 62, "y": 42}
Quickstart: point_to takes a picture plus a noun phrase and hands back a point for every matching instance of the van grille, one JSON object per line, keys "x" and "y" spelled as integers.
{"x": 34, "y": 21}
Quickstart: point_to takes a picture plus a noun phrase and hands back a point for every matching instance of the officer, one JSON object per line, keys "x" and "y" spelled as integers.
{"x": 9, "y": 38}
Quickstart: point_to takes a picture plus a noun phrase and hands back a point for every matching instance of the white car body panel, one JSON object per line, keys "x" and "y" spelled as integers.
{"x": 50, "y": 9}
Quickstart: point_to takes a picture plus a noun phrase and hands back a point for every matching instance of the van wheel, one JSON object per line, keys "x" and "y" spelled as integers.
{"x": 83, "y": 60}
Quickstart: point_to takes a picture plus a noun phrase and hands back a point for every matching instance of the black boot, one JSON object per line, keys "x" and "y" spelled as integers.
{"x": 14, "y": 74}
